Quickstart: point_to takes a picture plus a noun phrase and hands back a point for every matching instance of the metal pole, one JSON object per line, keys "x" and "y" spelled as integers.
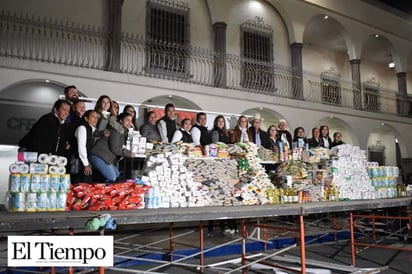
{"x": 352, "y": 238}
{"x": 201, "y": 244}
{"x": 243, "y": 235}
{"x": 302, "y": 245}
{"x": 171, "y": 247}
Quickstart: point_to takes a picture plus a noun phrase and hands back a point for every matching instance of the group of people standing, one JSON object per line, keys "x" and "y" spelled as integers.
{"x": 94, "y": 140}
{"x": 242, "y": 132}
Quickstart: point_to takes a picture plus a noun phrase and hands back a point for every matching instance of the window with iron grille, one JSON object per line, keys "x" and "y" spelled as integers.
{"x": 330, "y": 87}
{"x": 167, "y": 35}
{"x": 256, "y": 40}
{"x": 371, "y": 95}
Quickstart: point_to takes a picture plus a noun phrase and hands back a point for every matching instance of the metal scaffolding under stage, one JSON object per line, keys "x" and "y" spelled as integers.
{"x": 254, "y": 228}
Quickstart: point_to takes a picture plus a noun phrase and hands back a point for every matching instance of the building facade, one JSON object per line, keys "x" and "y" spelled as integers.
{"x": 310, "y": 62}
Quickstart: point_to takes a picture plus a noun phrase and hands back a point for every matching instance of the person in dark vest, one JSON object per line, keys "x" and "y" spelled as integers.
{"x": 167, "y": 124}
{"x": 200, "y": 133}
{"x": 219, "y": 132}
{"x": 82, "y": 146}
{"x": 183, "y": 134}
{"x": 47, "y": 134}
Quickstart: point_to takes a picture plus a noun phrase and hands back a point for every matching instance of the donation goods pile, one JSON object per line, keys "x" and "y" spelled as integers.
{"x": 38, "y": 183}
{"x": 125, "y": 195}
{"x": 181, "y": 181}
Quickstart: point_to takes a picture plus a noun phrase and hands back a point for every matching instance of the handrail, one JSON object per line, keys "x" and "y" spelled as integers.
{"x": 71, "y": 44}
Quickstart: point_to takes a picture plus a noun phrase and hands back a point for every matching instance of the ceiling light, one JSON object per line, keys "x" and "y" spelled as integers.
{"x": 326, "y": 17}
{"x": 47, "y": 81}
{"x": 391, "y": 65}
{"x": 382, "y": 124}
{"x": 376, "y": 35}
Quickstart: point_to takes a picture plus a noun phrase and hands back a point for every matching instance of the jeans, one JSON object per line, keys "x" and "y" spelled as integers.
{"x": 110, "y": 172}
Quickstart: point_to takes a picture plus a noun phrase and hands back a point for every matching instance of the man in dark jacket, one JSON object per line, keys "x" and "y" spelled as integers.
{"x": 259, "y": 137}
{"x": 46, "y": 135}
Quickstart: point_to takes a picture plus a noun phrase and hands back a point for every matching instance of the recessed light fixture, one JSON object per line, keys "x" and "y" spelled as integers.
{"x": 331, "y": 117}
{"x": 170, "y": 96}
{"x": 47, "y": 81}
{"x": 376, "y": 35}
{"x": 382, "y": 124}
{"x": 325, "y": 17}
{"x": 261, "y": 108}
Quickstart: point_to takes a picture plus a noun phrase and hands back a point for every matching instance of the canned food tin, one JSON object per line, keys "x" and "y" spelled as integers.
{"x": 65, "y": 183}
{"x": 18, "y": 201}
{"x": 52, "y": 201}
{"x": 35, "y": 183}
{"x": 54, "y": 182}
{"x": 25, "y": 180}
{"x": 31, "y": 199}
{"x": 42, "y": 201}
{"x": 61, "y": 201}
{"x": 14, "y": 183}
{"x": 44, "y": 183}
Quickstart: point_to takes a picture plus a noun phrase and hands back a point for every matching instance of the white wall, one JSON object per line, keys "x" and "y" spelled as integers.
{"x": 318, "y": 60}
{"x": 382, "y": 73}
{"x": 240, "y": 11}
{"x": 90, "y": 12}
{"x": 134, "y": 17}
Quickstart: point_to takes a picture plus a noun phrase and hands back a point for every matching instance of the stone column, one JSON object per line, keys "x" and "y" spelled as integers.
{"x": 403, "y": 100}
{"x": 297, "y": 79}
{"x": 219, "y": 29}
{"x": 357, "y": 87}
{"x": 114, "y": 35}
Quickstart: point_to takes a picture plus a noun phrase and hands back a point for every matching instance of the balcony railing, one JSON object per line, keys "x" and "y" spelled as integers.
{"x": 52, "y": 41}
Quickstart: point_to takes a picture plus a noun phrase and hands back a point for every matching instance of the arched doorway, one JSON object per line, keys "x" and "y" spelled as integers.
{"x": 184, "y": 107}
{"x": 338, "y": 125}
{"x": 269, "y": 117}
{"x": 23, "y": 103}
{"x": 381, "y": 145}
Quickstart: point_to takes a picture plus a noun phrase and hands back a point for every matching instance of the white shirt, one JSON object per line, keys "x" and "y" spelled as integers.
{"x": 162, "y": 127}
{"x": 81, "y": 136}
{"x": 244, "y": 138}
{"x": 195, "y": 132}
{"x": 177, "y": 136}
{"x": 325, "y": 142}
